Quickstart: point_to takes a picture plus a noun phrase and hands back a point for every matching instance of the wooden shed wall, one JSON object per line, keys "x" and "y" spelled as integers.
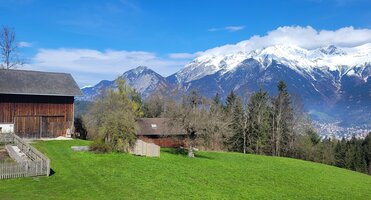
{"x": 31, "y": 113}
{"x": 165, "y": 141}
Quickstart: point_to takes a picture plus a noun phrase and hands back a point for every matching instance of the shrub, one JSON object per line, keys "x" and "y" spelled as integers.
{"x": 99, "y": 146}
{"x": 112, "y": 119}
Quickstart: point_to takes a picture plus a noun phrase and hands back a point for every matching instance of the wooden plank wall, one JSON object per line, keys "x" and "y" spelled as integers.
{"x": 165, "y": 141}
{"x": 28, "y": 111}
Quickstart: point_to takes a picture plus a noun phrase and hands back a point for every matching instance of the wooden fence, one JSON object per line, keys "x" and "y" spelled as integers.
{"x": 36, "y": 165}
{"x": 6, "y": 138}
{"x": 142, "y": 148}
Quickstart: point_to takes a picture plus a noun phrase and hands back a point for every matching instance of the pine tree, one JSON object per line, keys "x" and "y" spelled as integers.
{"x": 340, "y": 153}
{"x": 238, "y": 141}
{"x": 359, "y": 158}
{"x": 216, "y": 99}
{"x": 230, "y": 101}
{"x": 355, "y": 158}
{"x": 259, "y": 122}
{"x": 282, "y": 122}
{"x": 367, "y": 151}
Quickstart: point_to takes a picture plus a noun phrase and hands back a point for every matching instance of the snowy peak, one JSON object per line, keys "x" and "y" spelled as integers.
{"x": 299, "y": 59}
{"x": 332, "y": 50}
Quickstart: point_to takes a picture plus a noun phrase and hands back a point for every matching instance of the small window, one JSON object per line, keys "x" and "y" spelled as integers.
{"x": 1, "y": 128}
{"x": 154, "y": 126}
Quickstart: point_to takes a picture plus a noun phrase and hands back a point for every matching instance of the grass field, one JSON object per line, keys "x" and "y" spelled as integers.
{"x": 85, "y": 175}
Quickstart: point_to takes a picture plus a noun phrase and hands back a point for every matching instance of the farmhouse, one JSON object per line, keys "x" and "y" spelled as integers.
{"x": 157, "y": 130}
{"x": 37, "y": 104}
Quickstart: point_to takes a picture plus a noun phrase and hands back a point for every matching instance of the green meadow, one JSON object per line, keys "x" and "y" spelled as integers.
{"x": 211, "y": 175}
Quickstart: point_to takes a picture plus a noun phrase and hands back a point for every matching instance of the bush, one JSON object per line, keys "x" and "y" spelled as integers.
{"x": 112, "y": 120}
{"x": 99, "y": 146}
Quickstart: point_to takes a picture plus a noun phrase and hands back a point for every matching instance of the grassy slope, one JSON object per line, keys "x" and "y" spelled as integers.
{"x": 85, "y": 175}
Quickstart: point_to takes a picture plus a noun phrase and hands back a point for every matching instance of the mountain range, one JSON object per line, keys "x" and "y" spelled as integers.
{"x": 332, "y": 82}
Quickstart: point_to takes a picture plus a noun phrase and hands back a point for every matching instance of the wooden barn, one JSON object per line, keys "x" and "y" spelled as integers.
{"x": 37, "y": 104}
{"x": 157, "y": 131}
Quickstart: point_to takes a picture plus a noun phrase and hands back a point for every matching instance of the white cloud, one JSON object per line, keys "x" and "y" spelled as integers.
{"x": 182, "y": 55}
{"x": 227, "y": 28}
{"x": 305, "y": 37}
{"x": 24, "y": 44}
{"x": 89, "y": 66}
{"x": 234, "y": 28}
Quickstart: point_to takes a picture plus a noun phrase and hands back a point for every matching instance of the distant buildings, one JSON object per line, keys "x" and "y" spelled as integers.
{"x": 333, "y": 130}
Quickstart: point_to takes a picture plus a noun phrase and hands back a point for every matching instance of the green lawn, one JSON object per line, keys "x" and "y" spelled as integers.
{"x": 85, "y": 175}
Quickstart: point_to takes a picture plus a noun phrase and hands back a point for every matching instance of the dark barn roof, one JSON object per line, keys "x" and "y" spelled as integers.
{"x": 37, "y": 83}
{"x": 157, "y": 127}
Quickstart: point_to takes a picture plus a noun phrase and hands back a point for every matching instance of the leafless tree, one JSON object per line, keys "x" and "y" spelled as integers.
{"x": 9, "y": 49}
{"x": 201, "y": 126}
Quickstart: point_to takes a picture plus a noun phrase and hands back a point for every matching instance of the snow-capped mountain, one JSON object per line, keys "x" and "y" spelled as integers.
{"x": 331, "y": 80}
{"x": 330, "y": 58}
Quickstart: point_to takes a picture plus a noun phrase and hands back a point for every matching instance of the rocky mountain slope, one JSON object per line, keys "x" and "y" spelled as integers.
{"x": 142, "y": 79}
{"x": 331, "y": 80}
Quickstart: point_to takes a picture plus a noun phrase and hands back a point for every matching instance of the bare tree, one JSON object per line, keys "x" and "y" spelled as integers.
{"x": 9, "y": 47}
{"x": 189, "y": 116}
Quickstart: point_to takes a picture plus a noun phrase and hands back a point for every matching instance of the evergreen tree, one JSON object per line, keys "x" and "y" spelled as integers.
{"x": 230, "y": 101}
{"x": 238, "y": 141}
{"x": 340, "y": 153}
{"x": 367, "y": 151}
{"x": 216, "y": 104}
{"x": 355, "y": 158}
{"x": 359, "y": 158}
{"x": 259, "y": 122}
{"x": 216, "y": 99}
{"x": 282, "y": 122}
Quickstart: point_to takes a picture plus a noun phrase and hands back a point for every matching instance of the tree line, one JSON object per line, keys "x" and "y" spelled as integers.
{"x": 262, "y": 124}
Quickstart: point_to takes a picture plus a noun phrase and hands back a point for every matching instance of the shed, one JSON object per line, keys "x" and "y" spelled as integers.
{"x": 37, "y": 104}
{"x": 158, "y": 131}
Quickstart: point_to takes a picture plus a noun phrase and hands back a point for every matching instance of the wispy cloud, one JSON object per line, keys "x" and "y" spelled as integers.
{"x": 24, "y": 44}
{"x": 227, "y": 28}
{"x": 182, "y": 55}
{"x": 234, "y": 28}
{"x": 89, "y": 66}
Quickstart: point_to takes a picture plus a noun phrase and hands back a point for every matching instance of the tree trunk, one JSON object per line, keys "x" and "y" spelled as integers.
{"x": 273, "y": 138}
{"x": 244, "y": 142}
{"x": 190, "y": 149}
{"x": 192, "y": 137}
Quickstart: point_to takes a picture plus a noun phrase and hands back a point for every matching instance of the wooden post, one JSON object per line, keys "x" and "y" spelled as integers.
{"x": 41, "y": 125}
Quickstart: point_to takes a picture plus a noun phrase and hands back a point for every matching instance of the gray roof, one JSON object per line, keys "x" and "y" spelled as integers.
{"x": 37, "y": 83}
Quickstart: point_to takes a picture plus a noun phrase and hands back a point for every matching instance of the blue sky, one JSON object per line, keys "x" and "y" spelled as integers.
{"x": 97, "y": 40}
